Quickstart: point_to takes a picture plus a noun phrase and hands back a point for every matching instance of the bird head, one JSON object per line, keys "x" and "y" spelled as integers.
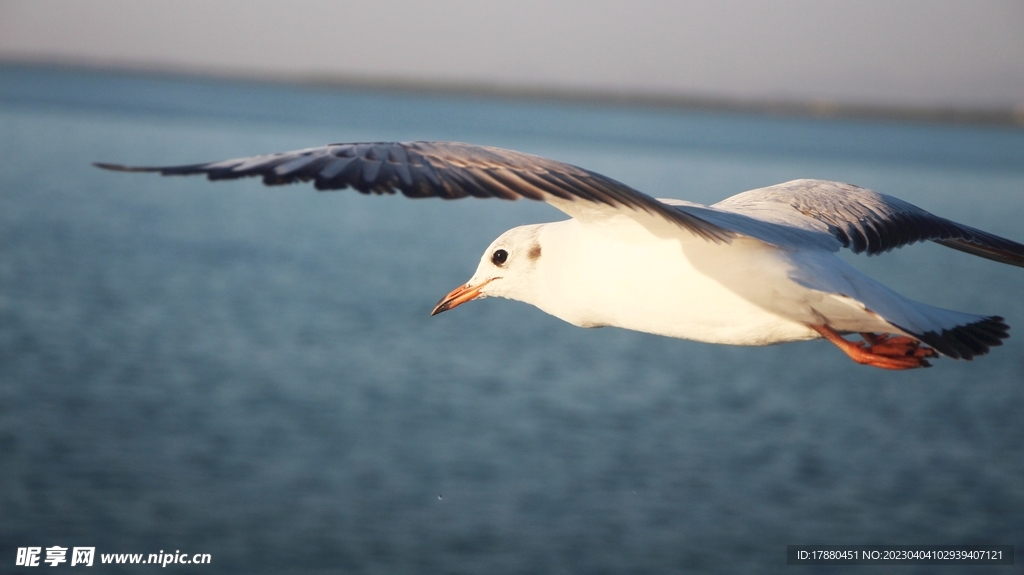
{"x": 505, "y": 270}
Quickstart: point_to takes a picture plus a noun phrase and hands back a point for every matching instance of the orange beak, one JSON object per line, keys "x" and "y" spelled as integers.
{"x": 459, "y": 296}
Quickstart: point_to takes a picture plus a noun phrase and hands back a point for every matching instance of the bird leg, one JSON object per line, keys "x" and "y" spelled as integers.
{"x": 882, "y": 351}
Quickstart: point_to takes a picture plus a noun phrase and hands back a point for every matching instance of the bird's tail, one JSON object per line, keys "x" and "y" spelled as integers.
{"x": 965, "y": 340}
{"x": 952, "y": 333}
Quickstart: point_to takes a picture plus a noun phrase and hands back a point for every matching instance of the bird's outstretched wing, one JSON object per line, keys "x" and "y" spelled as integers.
{"x": 447, "y": 170}
{"x": 865, "y": 221}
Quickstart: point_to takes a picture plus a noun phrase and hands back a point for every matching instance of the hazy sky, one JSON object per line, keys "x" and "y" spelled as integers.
{"x": 903, "y": 52}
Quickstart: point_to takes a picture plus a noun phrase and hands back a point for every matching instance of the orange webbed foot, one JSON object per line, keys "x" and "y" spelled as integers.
{"x": 897, "y": 346}
{"x": 895, "y": 352}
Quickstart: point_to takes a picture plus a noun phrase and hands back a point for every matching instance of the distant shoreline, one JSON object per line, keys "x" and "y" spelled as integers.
{"x": 825, "y": 109}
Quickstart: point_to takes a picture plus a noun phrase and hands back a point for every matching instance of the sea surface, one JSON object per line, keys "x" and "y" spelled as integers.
{"x": 252, "y": 372}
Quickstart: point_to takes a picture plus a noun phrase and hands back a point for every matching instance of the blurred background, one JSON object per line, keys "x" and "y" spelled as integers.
{"x": 251, "y": 372}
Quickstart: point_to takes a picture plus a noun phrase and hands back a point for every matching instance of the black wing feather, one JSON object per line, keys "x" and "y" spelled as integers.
{"x": 447, "y": 170}
{"x": 872, "y": 223}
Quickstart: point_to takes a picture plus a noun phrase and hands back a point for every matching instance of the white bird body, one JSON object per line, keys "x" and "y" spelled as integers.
{"x": 742, "y": 293}
{"x": 758, "y": 268}
{"x": 624, "y": 276}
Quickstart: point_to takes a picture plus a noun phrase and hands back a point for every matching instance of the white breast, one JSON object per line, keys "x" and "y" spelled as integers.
{"x": 622, "y": 275}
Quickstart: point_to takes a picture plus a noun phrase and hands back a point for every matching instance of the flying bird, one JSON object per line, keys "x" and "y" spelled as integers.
{"x": 758, "y": 268}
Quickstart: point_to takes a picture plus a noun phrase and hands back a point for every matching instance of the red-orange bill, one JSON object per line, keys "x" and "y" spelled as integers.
{"x": 458, "y": 296}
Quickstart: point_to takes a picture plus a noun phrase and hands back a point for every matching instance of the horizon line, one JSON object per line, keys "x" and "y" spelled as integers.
{"x": 813, "y": 108}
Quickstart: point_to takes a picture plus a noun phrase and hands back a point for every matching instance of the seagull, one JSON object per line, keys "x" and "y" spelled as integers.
{"x": 758, "y": 268}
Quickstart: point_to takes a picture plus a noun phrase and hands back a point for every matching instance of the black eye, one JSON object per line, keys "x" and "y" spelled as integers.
{"x": 499, "y": 257}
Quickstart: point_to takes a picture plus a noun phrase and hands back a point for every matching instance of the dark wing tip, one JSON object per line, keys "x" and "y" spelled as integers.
{"x": 163, "y": 170}
{"x": 988, "y": 246}
{"x": 123, "y": 168}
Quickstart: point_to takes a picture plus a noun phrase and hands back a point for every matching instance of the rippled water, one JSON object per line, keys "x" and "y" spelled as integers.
{"x": 252, "y": 372}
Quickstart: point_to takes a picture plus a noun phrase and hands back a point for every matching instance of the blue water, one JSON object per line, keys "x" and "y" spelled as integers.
{"x": 252, "y": 372}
